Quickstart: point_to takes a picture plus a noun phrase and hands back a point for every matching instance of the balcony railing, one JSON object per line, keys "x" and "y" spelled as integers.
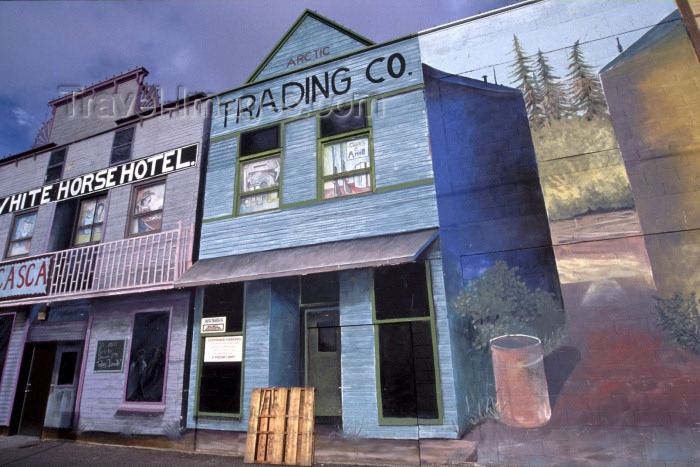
{"x": 147, "y": 262}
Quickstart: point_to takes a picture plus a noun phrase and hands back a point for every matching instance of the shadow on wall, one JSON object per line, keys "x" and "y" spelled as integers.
{"x": 558, "y": 367}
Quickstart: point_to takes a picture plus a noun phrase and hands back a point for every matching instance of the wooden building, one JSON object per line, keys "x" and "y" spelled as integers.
{"x": 331, "y": 234}
{"x": 97, "y": 222}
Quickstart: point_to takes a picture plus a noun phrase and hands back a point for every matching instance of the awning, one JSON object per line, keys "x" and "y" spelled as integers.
{"x": 324, "y": 257}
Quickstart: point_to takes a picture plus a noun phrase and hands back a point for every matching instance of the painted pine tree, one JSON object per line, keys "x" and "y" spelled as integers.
{"x": 585, "y": 88}
{"x": 524, "y": 80}
{"x": 551, "y": 92}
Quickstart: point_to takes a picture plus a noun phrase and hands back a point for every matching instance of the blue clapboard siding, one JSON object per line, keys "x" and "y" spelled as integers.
{"x": 311, "y": 34}
{"x": 401, "y": 155}
{"x": 359, "y": 383}
{"x": 256, "y": 361}
{"x": 285, "y": 333}
{"x": 354, "y": 217}
{"x": 360, "y": 86}
{"x": 13, "y": 359}
{"x": 299, "y": 161}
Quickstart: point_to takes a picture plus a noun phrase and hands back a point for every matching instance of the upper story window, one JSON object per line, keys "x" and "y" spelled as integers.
{"x": 21, "y": 235}
{"x": 121, "y": 147}
{"x": 146, "y": 212}
{"x": 90, "y": 220}
{"x": 346, "y": 158}
{"x": 259, "y": 170}
{"x": 57, "y": 160}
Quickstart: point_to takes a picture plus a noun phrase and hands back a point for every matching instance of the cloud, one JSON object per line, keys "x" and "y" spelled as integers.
{"x": 22, "y": 117}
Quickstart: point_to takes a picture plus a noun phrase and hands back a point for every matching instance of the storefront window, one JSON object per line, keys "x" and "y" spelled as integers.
{"x": 259, "y": 170}
{"x": 221, "y": 360}
{"x": 345, "y": 152}
{"x": 147, "y": 359}
{"x": 408, "y": 377}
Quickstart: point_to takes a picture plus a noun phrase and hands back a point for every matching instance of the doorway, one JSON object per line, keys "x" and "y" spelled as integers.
{"x": 322, "y": 363}
{"x": 46, "y": 388}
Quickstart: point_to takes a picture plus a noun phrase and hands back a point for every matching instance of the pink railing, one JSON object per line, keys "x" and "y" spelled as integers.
{"x": 148, "y": 262}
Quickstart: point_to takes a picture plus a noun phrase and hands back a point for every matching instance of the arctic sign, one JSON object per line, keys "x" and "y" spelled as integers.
{"x": 26, "y": 278}
{"x": 122, "y": 174}
{"x": 303, "y": 92}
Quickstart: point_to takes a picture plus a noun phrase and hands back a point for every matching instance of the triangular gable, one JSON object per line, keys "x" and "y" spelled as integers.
{"x": 311, "y": 39}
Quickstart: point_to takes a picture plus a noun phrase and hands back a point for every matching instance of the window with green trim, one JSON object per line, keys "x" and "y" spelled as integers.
{"x": 259, "y": 170}
{"x": 408, "y": 382}
{"x": 221, "y": 358}
{"x": 346, "y": 158}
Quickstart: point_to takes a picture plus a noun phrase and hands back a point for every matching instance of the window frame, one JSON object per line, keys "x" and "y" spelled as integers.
{"x": 337, "y": 138}
{"x": 76, "y": 221}
{"x": 112, "y": 160}
{"x": 132, "y": 205}
{"x": 200, "y": 358}
{"x": 408, "y": 421}
{"x": 61, "y": 164}
{"x": 147, "y": 406}
{"x": 11, "y": 241}
{"x": 241, "y": 160}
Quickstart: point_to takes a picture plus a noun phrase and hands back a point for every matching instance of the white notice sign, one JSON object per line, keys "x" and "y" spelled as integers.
{"x": 214, "y": 324}
{"x": 223, "y": 349}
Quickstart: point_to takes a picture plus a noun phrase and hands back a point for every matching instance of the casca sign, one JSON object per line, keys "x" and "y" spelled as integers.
{"x": 30, "y": 277}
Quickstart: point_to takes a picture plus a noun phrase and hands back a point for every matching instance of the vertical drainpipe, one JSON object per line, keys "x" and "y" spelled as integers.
{"x": 206, "y": 128}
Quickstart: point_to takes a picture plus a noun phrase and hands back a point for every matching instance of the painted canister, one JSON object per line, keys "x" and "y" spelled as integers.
{"x": 522, "y": 397}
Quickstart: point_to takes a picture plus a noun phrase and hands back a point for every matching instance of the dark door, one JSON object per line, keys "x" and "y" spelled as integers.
{"x": 323, "y": 363}
{"x": 33, "y": 389}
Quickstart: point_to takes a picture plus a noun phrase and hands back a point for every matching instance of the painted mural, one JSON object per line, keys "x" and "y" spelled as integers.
{"x": 610, "y": 105}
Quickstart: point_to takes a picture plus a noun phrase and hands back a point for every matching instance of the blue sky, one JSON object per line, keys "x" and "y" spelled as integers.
{"x": 210, "y": 46}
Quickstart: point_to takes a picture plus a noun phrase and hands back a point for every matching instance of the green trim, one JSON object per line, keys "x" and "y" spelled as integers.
{"x": 394, "y": 421}
{"x": 279, "y": 151}
{"x": 223, "y": 137}
{"x": 199, "y": 305}
{"x": 316, "y": 201}
{"x": 306, "y": 14}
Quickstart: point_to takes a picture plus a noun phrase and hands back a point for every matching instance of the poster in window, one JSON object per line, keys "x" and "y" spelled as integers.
{"x": 22, "y": 235}
{"x": 216, "y": 324}
{"x": 223, "y": 349}
{"x": 343, "y": 157}
{"x": 148, "y": 209}
{"x": 260, "y": 174}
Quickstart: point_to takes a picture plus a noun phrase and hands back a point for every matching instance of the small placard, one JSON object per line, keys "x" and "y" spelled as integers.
{"x": 110, "y": 355}
{"x": 217, "y": 324}
{"x": 223, "y": 349}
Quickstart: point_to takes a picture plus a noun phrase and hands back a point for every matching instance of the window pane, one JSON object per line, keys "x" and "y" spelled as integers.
{"x": 327, "y": 336}
{"x": 343, "y": 120}
{"x": 53, "y": 173}
{"x": 346, "y": 156}
{"x": 346, "y": 186}
{"x": 320, "y": 288}
{"x": 87, "y": 212}
{"x": 24, "y": 226}
{"x": 149, "y": 198}
{"x": 97, "y": 233}
{"x": 220, "y": 388}
{"x": 121, "y": 154}
{"x": 124, "y": 136}
{"x": 66, "y": 368}
{"x": 401, "y": 291}
{"x": 407, "y": 370}
{"x": 57, "y": 157}
{"x": 259, "y": 202}
{"x": 225, "y": 300}
{"x": 83, "y": 235}
{"x": 149, "y": 343}
{"x": 257, "y": 141}
{"x": 260, "y": 173}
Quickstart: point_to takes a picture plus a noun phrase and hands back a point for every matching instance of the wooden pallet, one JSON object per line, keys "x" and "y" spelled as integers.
{"x": 281, "y": 427}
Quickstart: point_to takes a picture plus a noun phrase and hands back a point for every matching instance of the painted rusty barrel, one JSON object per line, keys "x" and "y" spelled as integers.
{"x": 522, "y": 398}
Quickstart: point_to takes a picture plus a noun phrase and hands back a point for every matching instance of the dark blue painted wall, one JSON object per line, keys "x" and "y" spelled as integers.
{"x": 490, "y": 204}
{"x": 285, "y": 346}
